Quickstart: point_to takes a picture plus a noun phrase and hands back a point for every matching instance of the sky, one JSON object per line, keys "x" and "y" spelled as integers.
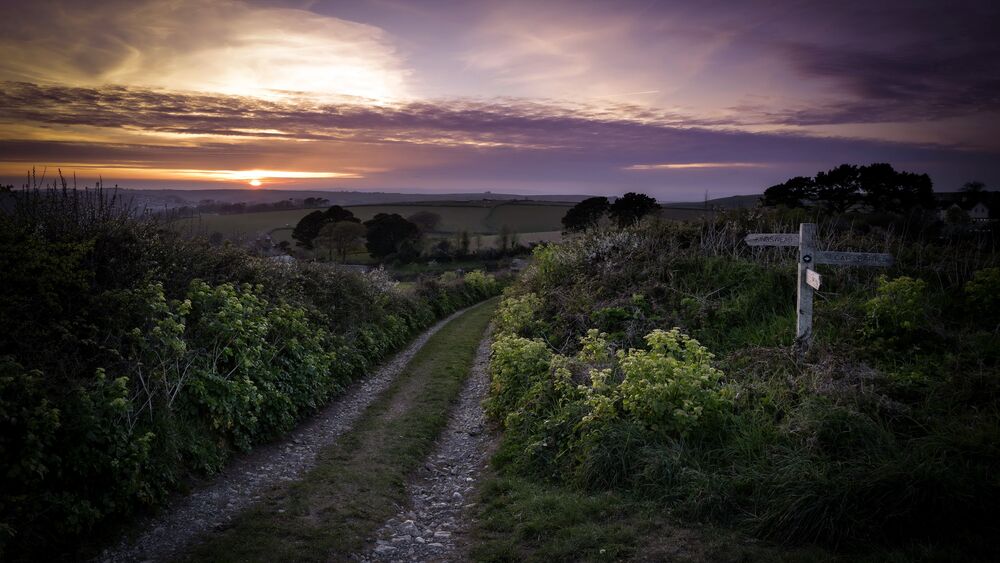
{"x": 677, "y": 99}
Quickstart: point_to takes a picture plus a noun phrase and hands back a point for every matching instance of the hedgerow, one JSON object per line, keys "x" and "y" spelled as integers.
{"x": 657, "y": 361}
{"x": 132, "y": 359}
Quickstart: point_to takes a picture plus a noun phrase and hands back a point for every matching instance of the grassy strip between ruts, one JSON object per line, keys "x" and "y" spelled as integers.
{"x": 359, "y": 481}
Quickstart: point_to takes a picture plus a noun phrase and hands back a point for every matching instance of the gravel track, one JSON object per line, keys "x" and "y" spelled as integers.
{"x": 246, "y": 478}
{"x": 433, "y": 525}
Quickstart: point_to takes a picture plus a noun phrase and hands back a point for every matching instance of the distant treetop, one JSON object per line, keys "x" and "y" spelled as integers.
{"x": 628, "y": 209}
{"x": 878, "y": 187}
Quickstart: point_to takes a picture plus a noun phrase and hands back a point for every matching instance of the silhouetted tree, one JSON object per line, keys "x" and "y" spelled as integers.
{"x": 887, "y": 191}
{"x": 955, "y": 215}
{"x": 340, "y": 237}
{"x": 839, "y": 188}
{"x": 628, "y": 209}
{"x": 878, "y": 186}
{"x": 308, "y": 227}
{"x": 503, "y": 240}
{"x": 973, "y": 187}
{"x": 792, "y": 193}
{"x": 387, "y": 234}
{"x": 428, "y": 221}
{"x": 585, "y": 214}
{"x": 463, "y": 243}
{"x": 315, "y": 201}
{"x": 336, "y": 214}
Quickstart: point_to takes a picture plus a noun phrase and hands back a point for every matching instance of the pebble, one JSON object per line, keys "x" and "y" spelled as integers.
{"x": 240, "y": 485}
{"x": 437, "y": 495}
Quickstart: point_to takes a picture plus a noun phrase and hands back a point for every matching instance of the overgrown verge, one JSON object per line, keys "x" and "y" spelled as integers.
{"x": 132, "y": 359}
{"x": 359, "y": 482}
{"x": 882, "y": 440}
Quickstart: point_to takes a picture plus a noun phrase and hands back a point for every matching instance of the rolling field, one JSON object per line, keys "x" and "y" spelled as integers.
{"x": 487, "y": 217}
{"x": 476, "y": 241}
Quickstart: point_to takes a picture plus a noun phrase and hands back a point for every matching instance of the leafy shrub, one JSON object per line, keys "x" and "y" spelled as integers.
{"x": 481, "y": 283}
{"x": 163, "y": 356}
{"x": 671, "y": 390}
{"x": 516, "y": 314}
{"x": 672, "y": 387}
{"x": 516, "y": 364}
{"x": 899, "y": 307}
{"x": 982, "y": 293}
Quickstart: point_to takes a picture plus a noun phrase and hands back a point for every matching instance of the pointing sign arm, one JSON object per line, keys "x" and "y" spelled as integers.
{"x": 772, "y": 239}
{"x": 852, "y": 258}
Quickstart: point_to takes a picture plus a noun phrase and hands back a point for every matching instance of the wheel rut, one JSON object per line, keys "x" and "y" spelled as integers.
{"x": 244, "y": 481}
{"x": 433, "y": 526}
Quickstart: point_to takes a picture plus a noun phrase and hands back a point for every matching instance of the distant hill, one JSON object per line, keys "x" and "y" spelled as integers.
{"x": 731, "y": 202}
{"x": 166, "y": 198}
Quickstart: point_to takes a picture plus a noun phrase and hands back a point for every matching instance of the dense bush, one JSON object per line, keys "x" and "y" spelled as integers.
{"x": 885, "y": 433}
{"x": 983, "y": 295}
{"x": 132, "y": 359}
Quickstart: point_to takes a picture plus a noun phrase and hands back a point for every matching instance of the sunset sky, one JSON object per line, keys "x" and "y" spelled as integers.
{"x": 667, "y": 97}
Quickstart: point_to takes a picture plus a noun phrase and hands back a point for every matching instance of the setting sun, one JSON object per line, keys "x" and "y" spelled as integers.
{"x": 255, "y": 182}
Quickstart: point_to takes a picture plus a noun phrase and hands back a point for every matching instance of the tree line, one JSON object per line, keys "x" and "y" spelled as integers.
{"x": 390, "y": 236}
{"x": 626, "y": 210}
{"x": 877, "y": 187}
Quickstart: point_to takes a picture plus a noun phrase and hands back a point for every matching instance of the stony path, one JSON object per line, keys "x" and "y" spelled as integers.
{"x": 244, "y": 480}
{"x": 432, "y": 526}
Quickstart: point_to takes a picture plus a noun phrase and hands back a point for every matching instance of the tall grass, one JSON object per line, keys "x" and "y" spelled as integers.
{"x": 884, "y": 434}
{"x": 132, "y": 359}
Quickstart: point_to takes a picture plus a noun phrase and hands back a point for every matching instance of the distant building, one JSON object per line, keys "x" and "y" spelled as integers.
{"x": 980, "y": 207}
{"x": 978, "y": 212}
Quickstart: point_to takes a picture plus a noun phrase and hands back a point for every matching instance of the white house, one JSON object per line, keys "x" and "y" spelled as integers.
{"x": 979, "y": 212}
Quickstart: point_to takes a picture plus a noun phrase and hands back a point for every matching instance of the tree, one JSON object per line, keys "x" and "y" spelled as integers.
{"x": 315, "y": 201}
{"x": 792, "y": 193}
{"x": 463, "y": 243}
{"x": 887, "y": 191}
{"x": 428, "y": 221}
{"x": 503, "y": 239}
{"x": 955, "y": 215}
{"x": 585, "y": 214}
{"x": 628, "y": 209}
{"x": 340, "y": 237}
{"x": 309, "y": 226}
{"x": 387, "y": 234}
{"x": 336, "y": 214}
{"x": 974, "y": 187}
{"x": 877, "y": 185}
{"x": 839, "y": 188}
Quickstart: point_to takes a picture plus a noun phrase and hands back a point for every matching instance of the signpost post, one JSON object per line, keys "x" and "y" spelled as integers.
{"x": 809, "y": 279}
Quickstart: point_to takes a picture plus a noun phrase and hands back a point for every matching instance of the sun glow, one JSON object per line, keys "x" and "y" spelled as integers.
{"x": 253, "y": 177}
{"x": 695, "y": 165}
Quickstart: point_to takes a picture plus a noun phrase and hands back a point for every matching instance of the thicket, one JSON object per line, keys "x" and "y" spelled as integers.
{"x": 885, "y": 434}
{"x": 132, "y": 359}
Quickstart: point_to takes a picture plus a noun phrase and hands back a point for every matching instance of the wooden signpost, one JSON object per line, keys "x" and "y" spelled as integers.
{"x": 809, "y": 279}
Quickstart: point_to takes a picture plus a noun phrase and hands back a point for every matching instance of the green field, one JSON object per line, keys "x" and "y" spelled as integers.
{"x": 486, "y": 217}
{"x": 476, "y": 241}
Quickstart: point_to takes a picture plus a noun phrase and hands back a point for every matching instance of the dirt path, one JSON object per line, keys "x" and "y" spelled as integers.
{"x": 243, "y": 482}
{"x": 433, "y": 524}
